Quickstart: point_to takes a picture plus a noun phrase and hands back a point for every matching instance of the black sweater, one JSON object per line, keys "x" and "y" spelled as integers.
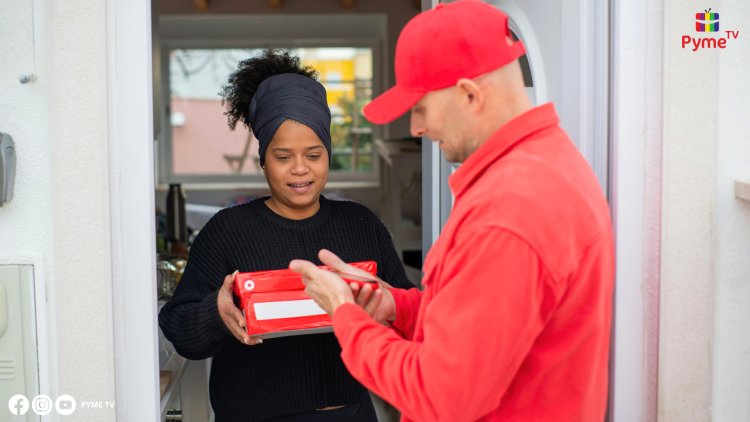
{"x": 283, "y": 375}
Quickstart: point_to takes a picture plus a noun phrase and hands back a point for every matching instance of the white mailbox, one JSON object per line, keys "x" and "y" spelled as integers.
{"x": 19, "y": 373}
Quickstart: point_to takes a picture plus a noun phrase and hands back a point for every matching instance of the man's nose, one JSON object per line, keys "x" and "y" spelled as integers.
{"x": 417, "y": 126}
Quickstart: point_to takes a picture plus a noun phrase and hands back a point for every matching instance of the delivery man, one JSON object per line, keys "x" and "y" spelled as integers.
{"x": 514, "y": 320}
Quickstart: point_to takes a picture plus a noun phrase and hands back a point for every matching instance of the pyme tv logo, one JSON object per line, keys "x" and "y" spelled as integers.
{"x": 707, "y": 22}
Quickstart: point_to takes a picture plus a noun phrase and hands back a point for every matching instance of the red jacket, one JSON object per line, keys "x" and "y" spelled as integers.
{"x": 514, "y": 320}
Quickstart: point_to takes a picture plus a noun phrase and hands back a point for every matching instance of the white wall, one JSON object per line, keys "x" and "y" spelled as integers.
{"x": 731, "y": 348}
{"x": 704, "y": 370}
{"x": 689, "y": 185}
{"x": 60, "y": 211}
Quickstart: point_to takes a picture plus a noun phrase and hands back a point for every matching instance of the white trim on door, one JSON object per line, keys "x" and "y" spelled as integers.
{"x": 635, "y": 186}
{"x": 129, "y": 84}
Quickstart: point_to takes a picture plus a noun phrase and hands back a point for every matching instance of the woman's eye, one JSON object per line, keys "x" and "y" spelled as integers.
{"x": 282, "y": 157}
{"x": 313, "y": 156}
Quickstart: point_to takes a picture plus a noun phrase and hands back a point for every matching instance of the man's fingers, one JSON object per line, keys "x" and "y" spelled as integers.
{"x": 372, "y": 305}
{"x": 364, "y": 295}
{"x": 355, "y": 288}
{"x": 332, "y": 260}
{"x": 304, "y": 268}
{"x": 383, "y": 284}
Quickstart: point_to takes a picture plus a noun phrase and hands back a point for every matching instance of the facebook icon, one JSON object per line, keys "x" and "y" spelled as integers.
{"x": 18, "y": 405}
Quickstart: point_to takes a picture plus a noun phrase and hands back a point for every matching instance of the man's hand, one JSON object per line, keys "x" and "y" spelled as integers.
{"x": 378, "y": 303}
{"x": 325, "y": 287}
{"x": 232, "y": 316}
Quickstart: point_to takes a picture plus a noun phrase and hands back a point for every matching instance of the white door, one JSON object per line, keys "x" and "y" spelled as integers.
{"x": 566, "y": 63}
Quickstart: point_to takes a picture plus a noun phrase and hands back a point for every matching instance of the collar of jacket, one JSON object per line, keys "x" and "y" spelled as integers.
{"x": 500, "y": 143}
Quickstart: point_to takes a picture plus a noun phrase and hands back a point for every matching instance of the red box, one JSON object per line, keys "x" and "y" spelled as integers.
{"x": 275, "y": 304}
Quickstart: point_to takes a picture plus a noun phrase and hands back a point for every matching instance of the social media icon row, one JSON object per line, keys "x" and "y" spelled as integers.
{"x": 41, "y": 404}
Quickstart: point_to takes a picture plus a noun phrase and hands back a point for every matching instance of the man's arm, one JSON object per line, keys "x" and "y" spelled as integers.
{"x": 407, "y": 304}
{"x": 493, "y": 300}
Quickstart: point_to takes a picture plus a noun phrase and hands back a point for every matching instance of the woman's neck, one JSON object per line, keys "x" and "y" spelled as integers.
{"x": 291, "y": 212}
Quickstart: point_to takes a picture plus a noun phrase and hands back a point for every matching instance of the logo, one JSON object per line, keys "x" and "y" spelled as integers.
{"x": 707, "y": 22}
{"x": 65, "y": 405}
{"x": 42, "y": 405}
{"x": 249, "y": 285}
{"x": 18, "y": 405}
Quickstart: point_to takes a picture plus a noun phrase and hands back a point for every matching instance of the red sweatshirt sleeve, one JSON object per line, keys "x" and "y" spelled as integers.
{"x": 407, "y": 307}
{"x": 489, "y": 305}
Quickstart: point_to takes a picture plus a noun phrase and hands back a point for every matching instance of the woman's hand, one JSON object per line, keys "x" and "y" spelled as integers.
{"x": 232, "y": 316}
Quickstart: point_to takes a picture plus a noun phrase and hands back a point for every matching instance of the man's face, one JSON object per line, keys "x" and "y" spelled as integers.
{"x": 438, "y": 116}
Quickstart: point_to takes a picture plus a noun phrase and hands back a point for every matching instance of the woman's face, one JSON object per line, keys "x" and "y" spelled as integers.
{"x": 296, "y": 168}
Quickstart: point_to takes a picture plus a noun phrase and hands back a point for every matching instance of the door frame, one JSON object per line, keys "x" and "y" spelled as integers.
{"x": 129, "y": 86}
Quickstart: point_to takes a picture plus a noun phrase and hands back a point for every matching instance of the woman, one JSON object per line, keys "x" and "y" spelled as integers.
{"x": 297, "y": 378}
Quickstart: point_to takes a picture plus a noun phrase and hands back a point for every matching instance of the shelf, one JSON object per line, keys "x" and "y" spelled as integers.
{"x": 176, "y": 364}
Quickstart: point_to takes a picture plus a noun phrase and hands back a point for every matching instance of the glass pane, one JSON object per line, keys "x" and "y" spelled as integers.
{"x": 203, "y": 144}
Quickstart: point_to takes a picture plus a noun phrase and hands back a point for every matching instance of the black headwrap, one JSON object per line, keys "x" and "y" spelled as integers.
{"x": 289, "y": 96}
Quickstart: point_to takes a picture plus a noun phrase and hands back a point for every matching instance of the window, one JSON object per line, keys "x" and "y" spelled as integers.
{"x": 202, "y": 148}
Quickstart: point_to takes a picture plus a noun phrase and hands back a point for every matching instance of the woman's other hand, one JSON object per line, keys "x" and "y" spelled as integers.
{"x": 232, "y": 316}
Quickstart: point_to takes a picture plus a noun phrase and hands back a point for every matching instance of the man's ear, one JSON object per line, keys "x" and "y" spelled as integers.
{"x": 471, "y": 93}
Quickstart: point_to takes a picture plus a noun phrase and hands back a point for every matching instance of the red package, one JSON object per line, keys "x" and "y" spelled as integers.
{"x": 275, "y": 304}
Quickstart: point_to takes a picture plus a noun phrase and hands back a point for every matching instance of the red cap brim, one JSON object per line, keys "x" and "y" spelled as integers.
{"x": 391, "y": 105}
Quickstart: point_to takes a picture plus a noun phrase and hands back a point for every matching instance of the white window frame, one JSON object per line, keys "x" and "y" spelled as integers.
{"x": 266, "y": 31}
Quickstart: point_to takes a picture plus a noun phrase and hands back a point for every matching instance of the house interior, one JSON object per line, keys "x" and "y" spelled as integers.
{"x": 207, "y": 166}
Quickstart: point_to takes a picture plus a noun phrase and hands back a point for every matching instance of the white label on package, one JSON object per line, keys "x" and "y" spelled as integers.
{"x": 287, "y": 309}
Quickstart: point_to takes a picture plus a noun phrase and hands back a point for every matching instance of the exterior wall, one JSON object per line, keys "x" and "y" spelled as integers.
{"x": 79, "y": 134}
{"x": 703, "y": 365}
{"x": 689, "y": 188}
{"x": 731, "y": 347}
{"x": 59, "y": 216}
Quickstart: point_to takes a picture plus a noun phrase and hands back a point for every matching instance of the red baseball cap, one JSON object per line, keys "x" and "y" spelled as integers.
{"x": 438, "y": 47}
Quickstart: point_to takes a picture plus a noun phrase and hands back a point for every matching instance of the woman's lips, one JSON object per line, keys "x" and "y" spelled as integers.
{"x": 301, "y": 187}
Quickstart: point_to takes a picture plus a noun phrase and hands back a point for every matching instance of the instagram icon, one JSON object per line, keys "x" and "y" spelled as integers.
{"x": 42, "y": 405}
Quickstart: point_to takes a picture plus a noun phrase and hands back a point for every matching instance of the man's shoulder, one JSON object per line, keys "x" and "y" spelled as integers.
{"x": 557, "y": 210}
